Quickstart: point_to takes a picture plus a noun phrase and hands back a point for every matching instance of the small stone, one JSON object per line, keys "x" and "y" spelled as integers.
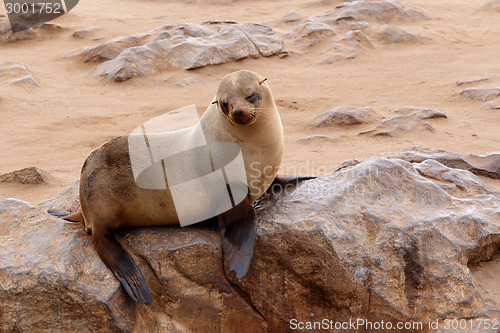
{"x": 291, "y": 16}
{"x": 491, "y": 105}
{"x": 313, "y": 138}
{"x": 187, "y": 80}
{"x": 407, "y": 120}
{"x": 481, "y": 94}
{"x": 394, "y": 35}
{"x": 83, "y": 33}
{"x": 475, "y": 80}
{"x": 17, "y": 73}
{"x": 31, "y": 175}
{"x": 343, "y": 115}
{"x": 308, "y": 34}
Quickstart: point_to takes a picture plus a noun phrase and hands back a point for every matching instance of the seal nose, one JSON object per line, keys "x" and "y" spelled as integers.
{"x": 238, "y": 112}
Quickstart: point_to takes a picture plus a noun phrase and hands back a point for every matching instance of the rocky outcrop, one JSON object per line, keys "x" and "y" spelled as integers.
{"x": 358, "y": 23}
{"x": 16, "y": 73}
{"x": 350, "y": 28}
{"x": 380, "y": 239}
{"x": 186, "y": 46}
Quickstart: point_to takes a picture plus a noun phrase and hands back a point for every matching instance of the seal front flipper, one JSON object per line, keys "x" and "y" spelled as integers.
{"x": 68, "y": 216}
{"x": 237, "y": 229}
{"x": 123, "y": 266}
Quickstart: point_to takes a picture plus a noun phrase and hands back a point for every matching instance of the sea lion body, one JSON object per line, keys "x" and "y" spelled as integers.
{"x": 110, "y": 197}
{"x": 242, "y": 115}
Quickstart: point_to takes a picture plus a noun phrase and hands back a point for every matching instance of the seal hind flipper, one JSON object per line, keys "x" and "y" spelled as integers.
{"x": 123, "y": 266}
{"x": 237, "y": 228}
{"x": 68, "y": 216}
{"x": 58, "y": 212}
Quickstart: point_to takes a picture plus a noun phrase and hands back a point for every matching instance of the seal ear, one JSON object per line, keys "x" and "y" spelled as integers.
{"x": 260, "y": 82}
{"x": 237, "y": 229}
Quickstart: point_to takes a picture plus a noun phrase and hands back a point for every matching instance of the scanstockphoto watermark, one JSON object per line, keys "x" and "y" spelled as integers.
{"x": 31, "y": 13}
{"x": 453, "y": 325}
{"x": 356, "y": 324}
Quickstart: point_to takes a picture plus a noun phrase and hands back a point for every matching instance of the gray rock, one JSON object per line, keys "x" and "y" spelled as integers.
{"x": 402, "y": 240}
{"x": 291, "y": 16}
{"x": 348, "y": 47}
{"x": 14, "y": 72}
{"x": 407, "y": 120}
{"x": 390, "y": 34}
{"x": 475, "y": 80}
{"x": 314, "y": 138}
{"x": 186, "y": 46}
{"x": 187, "y": 80}
{"x": 306, "y": 35}
{"x": 31, "y": 175}
{"x": 83, "y": 33}
{"x": 350, "y": 14}
{"x": 481, "y": 94}
{"x": 379, "y": 239}
{"x": 491, "y": 105}
{"x": 112, "y": 48}
{"x": 492, "y": 6}
{"x": 481, "y": 165}
{"x": 343, "y": 115}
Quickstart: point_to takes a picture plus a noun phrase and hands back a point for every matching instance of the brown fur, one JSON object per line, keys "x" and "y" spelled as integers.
{"x": 110, "y": 197}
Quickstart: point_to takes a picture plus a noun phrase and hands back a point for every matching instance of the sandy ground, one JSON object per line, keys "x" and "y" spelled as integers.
{"x": 54, "y": 127}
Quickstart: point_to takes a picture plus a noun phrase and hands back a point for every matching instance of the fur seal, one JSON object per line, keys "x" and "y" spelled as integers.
{"x": 242, "y": 112}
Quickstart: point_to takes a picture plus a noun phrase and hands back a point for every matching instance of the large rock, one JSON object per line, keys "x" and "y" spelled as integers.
{"x": 379, "y": 239}
{"x": 186, "y": 46}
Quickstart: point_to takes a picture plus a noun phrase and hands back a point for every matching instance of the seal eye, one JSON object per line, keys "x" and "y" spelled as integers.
{"x": 253, "y": 98}
{"x": 225, "y": 107}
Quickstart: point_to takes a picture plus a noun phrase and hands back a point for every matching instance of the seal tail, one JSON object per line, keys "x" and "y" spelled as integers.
{"x": 123, "y": 266}
{"x": 68, "y": 216}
